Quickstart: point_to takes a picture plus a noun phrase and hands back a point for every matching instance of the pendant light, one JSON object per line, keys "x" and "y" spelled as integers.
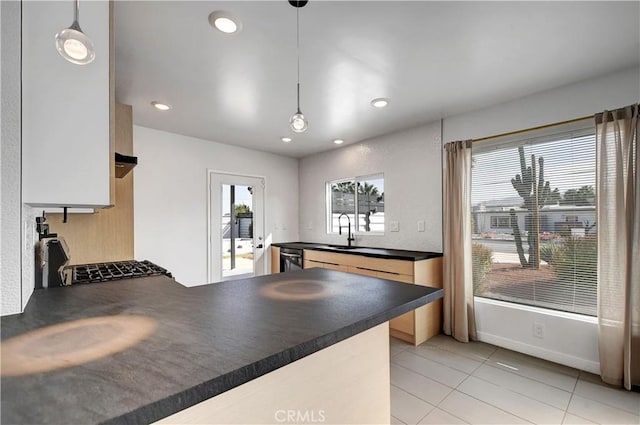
{"x": 73, "y": 44}
{"x": 298, "y": 122}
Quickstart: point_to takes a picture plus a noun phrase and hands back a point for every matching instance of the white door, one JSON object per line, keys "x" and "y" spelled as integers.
{"x": 236, "y": 227}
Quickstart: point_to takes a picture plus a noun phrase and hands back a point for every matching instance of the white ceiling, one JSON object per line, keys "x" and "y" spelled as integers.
{"x": 431, "y": 59}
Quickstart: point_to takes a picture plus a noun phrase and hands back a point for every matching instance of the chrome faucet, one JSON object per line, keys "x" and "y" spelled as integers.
{"x": 350, "y": 237}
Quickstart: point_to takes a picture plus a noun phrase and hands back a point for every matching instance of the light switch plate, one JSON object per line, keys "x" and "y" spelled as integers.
{"x": 393, "y": 226}
{"x": 420, "y": 225}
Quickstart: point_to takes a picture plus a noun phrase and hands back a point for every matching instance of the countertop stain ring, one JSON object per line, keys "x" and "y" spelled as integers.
{"x": 72, "y": 343}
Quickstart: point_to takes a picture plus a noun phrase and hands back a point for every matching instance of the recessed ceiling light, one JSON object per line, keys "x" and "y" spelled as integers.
{"x": 380, "y": 102}
{"x": 161, "y": 106}
{"x": 224, "y": 22}
{"x": 286, "y": 139}
{"x": 338, "y": 141}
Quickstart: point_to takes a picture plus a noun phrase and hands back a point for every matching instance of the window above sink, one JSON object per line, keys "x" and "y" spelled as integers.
{"x": 361, "y": 199}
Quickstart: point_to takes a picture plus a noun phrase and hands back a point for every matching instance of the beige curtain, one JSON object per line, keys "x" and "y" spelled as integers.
{"x": 618, "y": 194}
{"x": 459, "y": 319}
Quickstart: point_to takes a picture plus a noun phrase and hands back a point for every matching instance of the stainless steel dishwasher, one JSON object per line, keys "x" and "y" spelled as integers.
{"x": 290, "y": 259}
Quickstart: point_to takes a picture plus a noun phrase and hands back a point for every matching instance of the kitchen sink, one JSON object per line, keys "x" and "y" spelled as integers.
{"x": 342, "y": 247}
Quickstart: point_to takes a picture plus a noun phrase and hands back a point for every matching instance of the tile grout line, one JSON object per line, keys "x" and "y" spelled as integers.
{"x": 489, "y": 360}
{"x": 527, "y": 360}
{"x": 525, "y": 395}
{"x": 425, "y": 376}
{"x": 529, "y": 377}
{"x": 448, "y": 365}
{"x": 506, "y": 370}
{"x": 601, "y": 401}
{"x": 566, "y": 411}
{"x": 496, "y": 407}
{"x": 421, "y": 399}
{"x": 482, "y": 401}
{"x": 465, "y": 355}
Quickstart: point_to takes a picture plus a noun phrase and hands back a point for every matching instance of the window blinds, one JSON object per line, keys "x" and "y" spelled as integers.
{"x": 534, "y": 219}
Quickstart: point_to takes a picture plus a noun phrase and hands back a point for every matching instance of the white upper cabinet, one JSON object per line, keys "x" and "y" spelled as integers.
{"x": 66, "y": 143}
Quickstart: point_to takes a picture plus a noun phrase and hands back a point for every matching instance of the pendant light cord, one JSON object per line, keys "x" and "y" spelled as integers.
{"x": 77, "y": 10}
{"x": 298, "y": 51}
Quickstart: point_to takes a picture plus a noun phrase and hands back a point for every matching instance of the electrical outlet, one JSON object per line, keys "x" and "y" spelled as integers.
{"x": 394, "y": 226}
{"x": 420, "y": 225}
{"x": 538, "y": 330}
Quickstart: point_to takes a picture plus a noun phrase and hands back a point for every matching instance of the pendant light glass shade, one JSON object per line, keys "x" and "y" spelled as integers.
{"x": 298, "y": 122}
{"x": 73, "y": 44}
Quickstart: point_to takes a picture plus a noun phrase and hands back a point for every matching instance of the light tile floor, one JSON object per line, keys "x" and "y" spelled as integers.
{"x": 447, "y": 382}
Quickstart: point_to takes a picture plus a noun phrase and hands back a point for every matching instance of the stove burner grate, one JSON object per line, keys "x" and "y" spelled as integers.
{"x": 104, "y": 272}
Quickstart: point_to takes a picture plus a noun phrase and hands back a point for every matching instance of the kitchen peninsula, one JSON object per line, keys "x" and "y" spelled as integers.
{"x": 312, "y": 343}
{"x": 413, "y": 267}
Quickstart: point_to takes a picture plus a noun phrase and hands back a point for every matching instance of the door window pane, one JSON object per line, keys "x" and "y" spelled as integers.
{"x": 237, "y": 231}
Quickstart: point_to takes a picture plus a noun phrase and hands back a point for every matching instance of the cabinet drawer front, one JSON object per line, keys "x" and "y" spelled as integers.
{"x": 361, "y": 261}
{"x": 336, "y": 267}
{"x": 397, "y": 277}
{"x": 384, "y": 265}
{"x": 307, "y": 264}
{"x": 364, "y": 272}
{"x": 325, "y": 257}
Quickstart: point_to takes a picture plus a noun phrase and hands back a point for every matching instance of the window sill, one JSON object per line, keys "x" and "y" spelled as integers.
{"x": 359, "y": 234}
{"x": 539, "y": 310}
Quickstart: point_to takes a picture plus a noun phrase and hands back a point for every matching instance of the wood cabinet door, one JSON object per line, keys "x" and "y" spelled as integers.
{"x": 404, "y": 323}
{"x": 275, "y": 259}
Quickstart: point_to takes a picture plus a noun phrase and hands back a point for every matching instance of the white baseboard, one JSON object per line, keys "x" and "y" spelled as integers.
{"x": 532, "y": 350}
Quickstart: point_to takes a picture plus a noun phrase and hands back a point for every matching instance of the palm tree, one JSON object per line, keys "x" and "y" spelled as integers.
{"x": 368, "y": 191}
{"x": 344, "y": 187}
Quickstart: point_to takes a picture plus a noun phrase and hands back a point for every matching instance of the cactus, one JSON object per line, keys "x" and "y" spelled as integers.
{"x": 536, "y": 193}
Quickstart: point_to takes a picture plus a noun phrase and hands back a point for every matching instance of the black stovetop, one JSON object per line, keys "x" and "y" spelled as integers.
{"x": 104, "y": 272}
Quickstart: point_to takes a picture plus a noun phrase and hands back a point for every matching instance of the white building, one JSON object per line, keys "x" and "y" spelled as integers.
{"x": 553, "y": 218}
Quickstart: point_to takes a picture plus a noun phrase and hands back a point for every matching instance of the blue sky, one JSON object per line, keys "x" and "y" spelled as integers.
{"x": 242, "y": 197}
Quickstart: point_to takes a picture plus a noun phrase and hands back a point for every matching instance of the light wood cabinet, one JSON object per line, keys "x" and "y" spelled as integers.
{"x": 107, "y": 234}
{"x": 416, "y": 326}
{"x": 275, "y": 259}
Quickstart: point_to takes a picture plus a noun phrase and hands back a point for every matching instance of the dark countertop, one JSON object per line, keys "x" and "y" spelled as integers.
{"x": 208, "y": 340}
{"x": 395, "y": 254}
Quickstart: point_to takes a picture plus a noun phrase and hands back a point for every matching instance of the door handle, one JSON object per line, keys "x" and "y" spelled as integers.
{"x": 259, "y": 246}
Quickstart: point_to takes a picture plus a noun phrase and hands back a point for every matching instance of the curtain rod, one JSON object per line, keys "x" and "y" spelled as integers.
{"x": 511, "y": 133}
{"x": 627, "y": 111}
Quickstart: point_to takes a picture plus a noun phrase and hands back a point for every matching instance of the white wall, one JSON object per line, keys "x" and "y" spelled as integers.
{"x": 411, "y": 163}
{"x": 10, "y": 157}
{"x": 17, "y": 223}
{"x": 170, "y": 197}
{"x": 581, "y": 99}
{"x": 568, "y": 340}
